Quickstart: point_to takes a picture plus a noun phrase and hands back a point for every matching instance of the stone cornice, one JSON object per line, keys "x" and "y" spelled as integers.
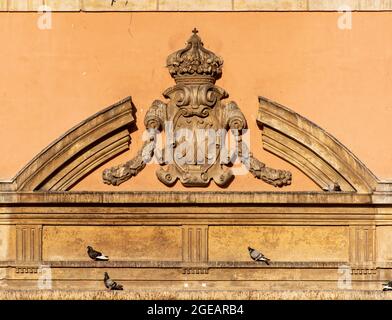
{"x": 184, "y": 198}
{"x": 192, "y": 5}
{"x": 180, "y": 264}
{"x": 213, "y": 208}
{"x": 170, "y": 294}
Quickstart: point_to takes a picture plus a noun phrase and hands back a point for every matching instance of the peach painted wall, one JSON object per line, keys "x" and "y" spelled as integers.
{"x": 53, "y": 79}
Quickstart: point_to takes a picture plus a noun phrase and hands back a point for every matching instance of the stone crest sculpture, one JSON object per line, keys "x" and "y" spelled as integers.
{"x": 194, "y": 113}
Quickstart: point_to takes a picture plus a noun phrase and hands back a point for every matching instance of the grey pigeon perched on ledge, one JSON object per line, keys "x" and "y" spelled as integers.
{"x": 110, "y": 284}
{"x": 96, "y": 255}
{"x": 258, "y": 256}
{"x": 387, "y": 286}
{"x": 331, "y": 188}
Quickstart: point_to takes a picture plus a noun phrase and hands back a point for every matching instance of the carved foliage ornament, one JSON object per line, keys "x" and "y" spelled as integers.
{"x": 196, "y": 123}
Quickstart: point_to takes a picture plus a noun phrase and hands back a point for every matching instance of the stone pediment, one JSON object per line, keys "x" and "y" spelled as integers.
{"x": 194, "y": 104}
{"x": 103, "y": 136}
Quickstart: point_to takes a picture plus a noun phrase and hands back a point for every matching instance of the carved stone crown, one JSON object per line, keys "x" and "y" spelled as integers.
{"x": 194, "y": 63}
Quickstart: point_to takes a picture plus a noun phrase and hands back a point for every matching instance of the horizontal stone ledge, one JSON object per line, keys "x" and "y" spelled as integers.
{"x": 207, "y": 294}
{"x": 195, "y": 5}
{"x": 189, "y": 198}
{"x": 177, "y": 264}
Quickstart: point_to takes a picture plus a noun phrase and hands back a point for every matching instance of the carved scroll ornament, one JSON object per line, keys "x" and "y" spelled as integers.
{"x": 193, "y": 114}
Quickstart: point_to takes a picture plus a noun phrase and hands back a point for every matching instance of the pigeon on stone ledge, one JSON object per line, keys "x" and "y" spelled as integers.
{"x": 387, "y": 286}
{"x": 332, "y": 188}
{"x": 96, "y": 255}
{"x": 110, "y": 284}
{"x": 258, "y": 256}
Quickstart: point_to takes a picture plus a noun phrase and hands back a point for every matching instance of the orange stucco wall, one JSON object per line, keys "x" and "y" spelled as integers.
{"x": 52, "y": 79}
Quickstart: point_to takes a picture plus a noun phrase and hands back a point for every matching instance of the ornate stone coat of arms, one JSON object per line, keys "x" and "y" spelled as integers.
{"x": 196, "y": 122}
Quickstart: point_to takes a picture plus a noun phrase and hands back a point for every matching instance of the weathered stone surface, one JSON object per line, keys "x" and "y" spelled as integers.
{"x": 332, "y": 5}
{"x": 178, "y": 197}
{"x": 144, "y": 275}
{"x": 165, "y": 256}
{"x": 196, "y": 295}
{"x": 63, "y": 5}
{"x": 384, "y": 243}
{"x": 26, "y": 5}
{"x": 276, "y": 5}
{"x": 199, "y": 5}
{"x": 133, "y": 243}
{"x": 195, "y": 5}
{"x": 7, "y": 242}
{"x": 119, "y": 5}
{"x": 375, "y": 5}
{"x": 294, "y": 243}
{"x": 28, "y": 243}
{"x": 305, "y": 242}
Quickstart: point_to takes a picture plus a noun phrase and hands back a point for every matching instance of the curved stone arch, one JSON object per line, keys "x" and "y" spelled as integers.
{"x": 311, "y": 149}
{"x": 77, "y": 152}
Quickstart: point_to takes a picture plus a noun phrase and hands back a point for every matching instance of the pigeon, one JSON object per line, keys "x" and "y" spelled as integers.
{"x": 332, "y": 187}
{"x": 258, "y": 256}
{"x": 387, "y": 286}
{"x": 96, "y": 255}
{"x": 110, "y": 284}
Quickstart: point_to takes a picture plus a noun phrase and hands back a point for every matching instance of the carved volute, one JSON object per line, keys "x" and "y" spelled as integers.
{"x": 196, "y": 122}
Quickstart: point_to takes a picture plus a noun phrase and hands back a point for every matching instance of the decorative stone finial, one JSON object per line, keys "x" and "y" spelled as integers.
{"x": 194, "y": 63}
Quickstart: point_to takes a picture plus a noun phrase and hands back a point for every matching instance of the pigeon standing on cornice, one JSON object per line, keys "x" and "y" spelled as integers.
{"x": 110, "y": 284}
{"x": 387, "y": 286}
{"x": 258, "y": 256}
{"x": 332, "y": 188}
{"x": 96, "y": 255}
